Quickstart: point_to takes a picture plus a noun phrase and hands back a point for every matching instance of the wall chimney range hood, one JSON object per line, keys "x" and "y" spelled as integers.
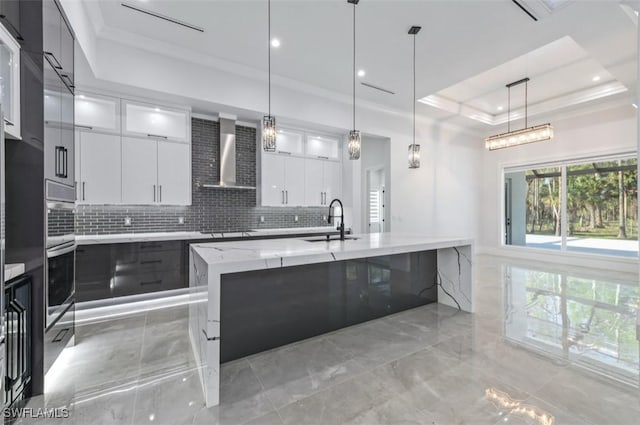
{"x": 227, "y": 157}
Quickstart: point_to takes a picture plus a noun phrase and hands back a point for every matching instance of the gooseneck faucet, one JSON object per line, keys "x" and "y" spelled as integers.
{"x": 330, "y": 216}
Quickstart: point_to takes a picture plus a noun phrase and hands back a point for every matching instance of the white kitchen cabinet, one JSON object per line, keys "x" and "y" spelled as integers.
{"x": 97, "y": 112}
{"x": 272, "y": 179}
{"x": 332, "y": 180}
{"x": 294, "y": 181}
{"x": 323, "y": 147}
{"x": 99, "y": 169}
{"x": 314, "y": 185}
{"x": 155, "y": 122}
{"x": 10, "y": 83}
{"x": 139, "y": 171}
{"x": 283, "y": 180}
{"x": 290, "y": 142}
{"x": 323, "y": 181}
{"x": 174, "y": 173}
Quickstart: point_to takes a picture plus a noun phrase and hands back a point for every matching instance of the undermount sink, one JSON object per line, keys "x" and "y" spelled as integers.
{"x": 333, "y": 238}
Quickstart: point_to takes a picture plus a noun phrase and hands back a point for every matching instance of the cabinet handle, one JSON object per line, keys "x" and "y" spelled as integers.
{"x": 60, "y": 335}
{"x": 50, "y": 56}
{"x": 7, "y": 122}
{"x": 285, "y": 152}
{"x": 154, "y": 193}
{"x": 160, "y": 191}
{"x": 70, "y": 82}
{"x": 151, "y": 262}
{"x": 286, "y": 192}
{"x": 13, "y": 28}
{"x": 86, "y": 127}
{"x": 323, "y": 157}
{"x": 83, "y": 190}
{"x": 151, "y": 282}
{"x": 151, "y": 246}
{"x": 282, "y": 196}
{"x": 157, "y": 136}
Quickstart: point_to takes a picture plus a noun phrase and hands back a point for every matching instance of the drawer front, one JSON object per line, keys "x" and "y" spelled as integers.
{"x": 147, "y": 282}
{"x": 93, "y": 272}
{"x": 144, "y": 262}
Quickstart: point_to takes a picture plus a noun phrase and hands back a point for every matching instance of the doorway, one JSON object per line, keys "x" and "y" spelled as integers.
{"x": 376, "y": 199}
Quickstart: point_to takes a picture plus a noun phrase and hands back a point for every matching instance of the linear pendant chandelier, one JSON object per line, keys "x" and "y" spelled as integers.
{"x": 354, "y": 145}
{"x": 269, "y": 121}
{"x": 538, "y": 133}
{"x": 414, "y": 149}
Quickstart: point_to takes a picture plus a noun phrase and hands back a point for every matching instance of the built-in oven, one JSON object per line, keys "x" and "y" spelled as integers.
{"x": 61, "y": 259}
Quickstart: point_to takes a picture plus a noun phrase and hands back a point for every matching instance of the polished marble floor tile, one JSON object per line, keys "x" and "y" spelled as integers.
{"x": 547, "y": 345}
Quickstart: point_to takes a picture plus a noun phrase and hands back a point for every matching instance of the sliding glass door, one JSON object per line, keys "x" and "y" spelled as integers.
{"x": 586, "y": 206}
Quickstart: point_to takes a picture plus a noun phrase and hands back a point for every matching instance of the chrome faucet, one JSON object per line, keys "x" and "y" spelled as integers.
{"x": 330, "y": 216}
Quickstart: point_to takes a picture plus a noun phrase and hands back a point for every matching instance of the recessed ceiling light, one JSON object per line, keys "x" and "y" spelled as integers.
{"x": 634, "y": 105}
{"x": 157, "y": 109}
{"x": 596, "y": 78}
{"x": 361, "y": 73}
{"x": 81, "y": 96}
{"x": 275, "y": 42}
{"x": 500, "y": 108}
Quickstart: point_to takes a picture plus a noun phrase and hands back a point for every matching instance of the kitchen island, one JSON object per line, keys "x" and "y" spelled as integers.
{"x": 251, "y": 296}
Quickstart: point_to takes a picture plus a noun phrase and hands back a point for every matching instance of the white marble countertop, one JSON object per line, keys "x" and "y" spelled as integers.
{"x": 12, "y": 271}
{"x": 264, "y": 254}
{"x": 168, "y": 236}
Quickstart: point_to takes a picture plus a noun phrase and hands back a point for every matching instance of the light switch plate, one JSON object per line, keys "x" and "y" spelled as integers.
{"x": 295, "y": 218}
{"x": 127, "y": 221}
{"x": 261, "y": 219}
{"x": 180, "y": 220}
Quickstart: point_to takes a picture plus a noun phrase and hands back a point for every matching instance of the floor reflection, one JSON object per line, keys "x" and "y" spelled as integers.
{"x": 590, "y": 321}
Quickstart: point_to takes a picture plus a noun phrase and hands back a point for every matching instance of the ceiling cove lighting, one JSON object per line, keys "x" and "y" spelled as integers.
{"x": 414, "y": 149}
{"x": 539, "y": 133}
{"x": 269, "y": 121}
{"x": 354, "y": 144}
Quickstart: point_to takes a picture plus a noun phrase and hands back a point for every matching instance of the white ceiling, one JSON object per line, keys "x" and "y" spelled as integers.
{"x": 460, "y": 39}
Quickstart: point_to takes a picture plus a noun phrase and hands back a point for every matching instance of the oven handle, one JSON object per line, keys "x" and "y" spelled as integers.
{"x": 64, "y": 249}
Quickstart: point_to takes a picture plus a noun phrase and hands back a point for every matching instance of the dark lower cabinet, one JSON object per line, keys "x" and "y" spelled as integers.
{"x": 18, "y": 317}
{"x": 115, "y": 270}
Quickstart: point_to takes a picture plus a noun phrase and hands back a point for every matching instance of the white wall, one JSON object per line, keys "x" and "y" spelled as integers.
{"x": 439, "y": 199}
{"x": 599, "y": 133}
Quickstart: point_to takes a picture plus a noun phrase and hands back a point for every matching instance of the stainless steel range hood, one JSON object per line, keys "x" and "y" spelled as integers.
{"x": 228, "y": 157}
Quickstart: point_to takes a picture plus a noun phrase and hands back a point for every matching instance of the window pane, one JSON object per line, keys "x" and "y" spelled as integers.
{"x": 532, "y": 208}
{"x": 602, "y": 207}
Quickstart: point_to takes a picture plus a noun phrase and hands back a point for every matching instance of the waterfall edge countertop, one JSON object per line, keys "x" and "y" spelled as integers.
{"x": 210, "y": 261}
{"x": 265, "y": 254}
{"x": 12, "y": 271}
{"x": 172, "y": 236}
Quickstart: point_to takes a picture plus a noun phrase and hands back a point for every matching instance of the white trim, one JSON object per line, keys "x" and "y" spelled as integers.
{"x": 568, "y": 159}
{"x": 596, "y": 261}
{"x": 204, "y": 116}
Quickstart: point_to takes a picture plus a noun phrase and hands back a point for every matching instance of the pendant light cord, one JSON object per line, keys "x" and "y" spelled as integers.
{"x": 509, "y": 111}
{"x": 526, "y": 104}
{"x": 269, "y": 47}
{"x": 354, "y": 66}
{"x": 413, "y": 101}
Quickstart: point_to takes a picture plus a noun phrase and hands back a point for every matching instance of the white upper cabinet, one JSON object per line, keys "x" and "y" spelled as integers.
{"x": 155, "y": 122}
{"x": 323, "y": 181}
{"x": 96, "y": 112}
{"x": 139, "y": 171}
{"x": 324, "y": 147}
{"x": 290, "y": 142}
{"x": 10, "y": 83}
{"x": 174, "y": 182}
{"x": 283, "y": 180}
{"x": 314, "y": 186}
{"x": 99, "y": 169}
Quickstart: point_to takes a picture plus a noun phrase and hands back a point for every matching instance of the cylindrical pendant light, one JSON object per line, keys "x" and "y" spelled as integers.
{"x": 269, "y": 121}
{"x": 354, "y": 144}
{"x": 414, "y": 149}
